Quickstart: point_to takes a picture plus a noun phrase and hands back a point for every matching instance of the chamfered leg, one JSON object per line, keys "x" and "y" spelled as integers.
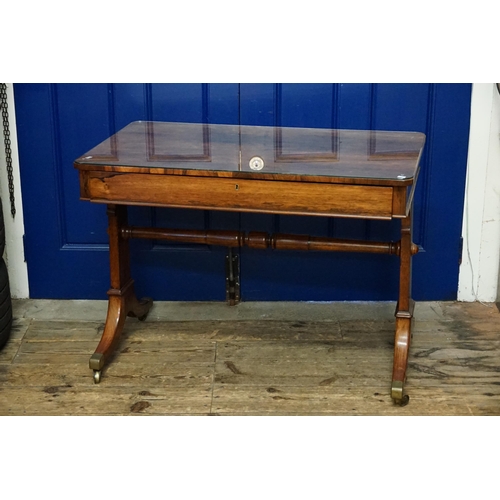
{"x": 121, "y": 297}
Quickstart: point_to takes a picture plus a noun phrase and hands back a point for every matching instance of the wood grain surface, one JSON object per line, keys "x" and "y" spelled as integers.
{"x": 255, "y": 367}
{"x": 242, "y": 195}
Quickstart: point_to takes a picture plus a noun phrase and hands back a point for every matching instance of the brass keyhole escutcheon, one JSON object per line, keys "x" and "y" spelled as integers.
{"x": 236, "y": 186}
{"x": 256, "y": 163}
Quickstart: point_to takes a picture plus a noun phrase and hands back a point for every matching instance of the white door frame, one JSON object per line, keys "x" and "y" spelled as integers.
{"x": 14, "y": 227}
{"x": 479, "y": 271}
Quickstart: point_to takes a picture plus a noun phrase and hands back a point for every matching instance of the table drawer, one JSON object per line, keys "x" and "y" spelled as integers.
{"x": 244, "y": 195}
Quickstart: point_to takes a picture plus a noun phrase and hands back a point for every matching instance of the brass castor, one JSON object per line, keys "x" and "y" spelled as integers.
{"x": 397, "y": 394}
{"x": 97, "y": 376}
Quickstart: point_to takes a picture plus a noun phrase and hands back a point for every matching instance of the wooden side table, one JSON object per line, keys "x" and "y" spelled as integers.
{"x": 278, "y": 170}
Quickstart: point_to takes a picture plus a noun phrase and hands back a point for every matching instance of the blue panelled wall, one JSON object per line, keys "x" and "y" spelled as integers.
{"x": 66, "y": 241}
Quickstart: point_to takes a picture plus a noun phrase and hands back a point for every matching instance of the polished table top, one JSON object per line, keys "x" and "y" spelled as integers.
{"x": 281, "y": 153}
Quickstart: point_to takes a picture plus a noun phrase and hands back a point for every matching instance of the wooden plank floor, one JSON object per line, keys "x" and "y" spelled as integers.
{"x": 255, "y": 367}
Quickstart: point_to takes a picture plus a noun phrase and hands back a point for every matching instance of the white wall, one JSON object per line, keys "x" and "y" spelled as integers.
{"x": 479, "y": 272}
{"x": 14, "y": 227}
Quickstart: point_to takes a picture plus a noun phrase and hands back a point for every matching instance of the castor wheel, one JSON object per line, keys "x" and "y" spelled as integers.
{"x": 403, "y": 401}
{"x": 97, "y": 376}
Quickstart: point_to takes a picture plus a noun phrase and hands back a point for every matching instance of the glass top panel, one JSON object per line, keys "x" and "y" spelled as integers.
{"x": 262, "y": 150}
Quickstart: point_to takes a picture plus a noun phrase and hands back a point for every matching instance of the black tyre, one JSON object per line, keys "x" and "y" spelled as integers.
{"x": 2, "y": 232}
{"x": 5, "y": 305}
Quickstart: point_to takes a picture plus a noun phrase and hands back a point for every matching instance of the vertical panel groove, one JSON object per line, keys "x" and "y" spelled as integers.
{"x": 371, "y": 120}
{"x": 335, "y": 105}
{"x": 56, "y": 148}
{"x": 111, "y": 109}
{"x": 207, "y": 223}
{"x": 205, "y": 96}
{"x": 148, "y": 102}
{"x": 373, "y": 103}
{"x": 276, "y": 223}
{"x": 239, "y": 106}
{"x": 426, "y": 167}
{"x": 205, "y": 99}
{"x": 277, "y": 105}
{"x": 148, "y": 112}
{"x": 331, "y": 228}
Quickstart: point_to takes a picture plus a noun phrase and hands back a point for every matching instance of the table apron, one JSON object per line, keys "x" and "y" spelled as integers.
{"x": 244, "y": 195}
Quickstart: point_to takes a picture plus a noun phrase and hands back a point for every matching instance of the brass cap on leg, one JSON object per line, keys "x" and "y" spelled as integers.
{"x": 96, "y": 361}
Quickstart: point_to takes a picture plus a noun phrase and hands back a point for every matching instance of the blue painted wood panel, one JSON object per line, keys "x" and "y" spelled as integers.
{"x": 442, "y": 111}
{"x": 66, "y": 241}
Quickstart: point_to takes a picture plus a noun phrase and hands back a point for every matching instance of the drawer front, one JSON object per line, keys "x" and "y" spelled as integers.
{"x": 241, "y": 195}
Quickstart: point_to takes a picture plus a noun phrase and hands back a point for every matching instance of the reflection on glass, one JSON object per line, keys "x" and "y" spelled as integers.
{"x": 285, "y": 151}
{"x": 178, "y": 143}
{"x": 110, "y": 145}
{"x": 292, "y": 145}
{"x": 384, "y": 146}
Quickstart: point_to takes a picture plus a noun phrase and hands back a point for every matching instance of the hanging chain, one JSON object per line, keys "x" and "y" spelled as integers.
{"x": 6, "y": 140}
